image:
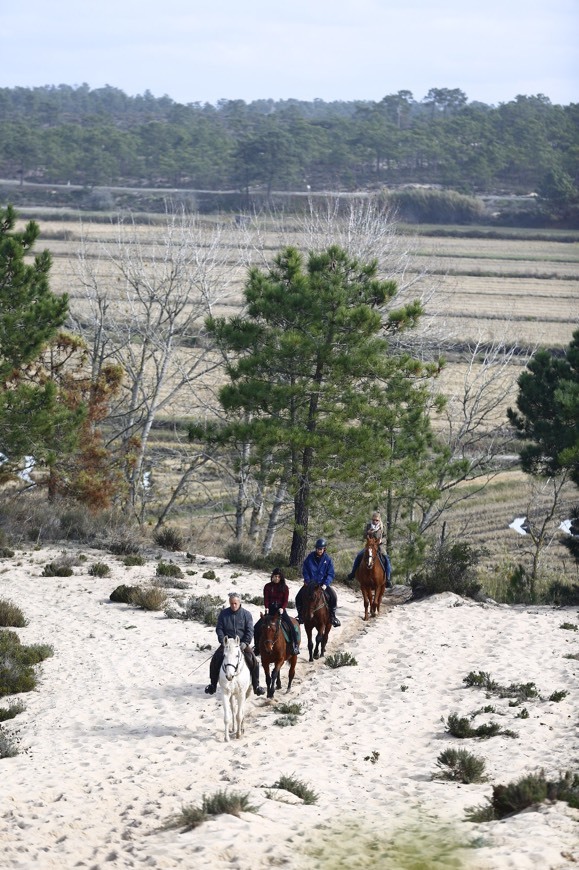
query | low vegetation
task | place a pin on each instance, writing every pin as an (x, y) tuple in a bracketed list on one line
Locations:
[(11, 615), (17, 663), (296, 787), (507, 800), (169, 538), (340, 660), (204, 608), (149, 598), (99, 569), (217, 804), (460, 726), (459, 765), (169, 569)]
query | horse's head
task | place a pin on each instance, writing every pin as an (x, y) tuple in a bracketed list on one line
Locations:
[(370, 551), (232, 656), (270, 631), (314, 599)]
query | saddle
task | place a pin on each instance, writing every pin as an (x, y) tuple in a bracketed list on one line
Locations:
[(286, 632)]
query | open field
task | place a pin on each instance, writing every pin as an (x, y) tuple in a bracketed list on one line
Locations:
[(524, 293)]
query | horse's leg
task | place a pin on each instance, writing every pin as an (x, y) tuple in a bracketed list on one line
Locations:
[(239, 699), (278, 667), (366, 602), (310, 643), (292, 663), (267, 677), (227, 712), (325, 636)]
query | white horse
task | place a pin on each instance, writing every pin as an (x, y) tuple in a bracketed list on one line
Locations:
[(235, 682)]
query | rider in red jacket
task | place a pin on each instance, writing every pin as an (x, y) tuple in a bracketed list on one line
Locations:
[(275, 598)]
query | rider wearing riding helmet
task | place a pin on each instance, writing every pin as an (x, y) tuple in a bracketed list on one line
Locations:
[(318, 569), (275, 598)]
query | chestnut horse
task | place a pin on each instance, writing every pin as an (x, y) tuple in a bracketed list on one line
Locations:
[(275, 650), (316, 614), (371, 577)]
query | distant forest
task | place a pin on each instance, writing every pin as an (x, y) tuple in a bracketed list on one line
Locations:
[(104, 138)]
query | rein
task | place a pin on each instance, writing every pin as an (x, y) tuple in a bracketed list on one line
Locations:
[(275, 636), (235, 667)]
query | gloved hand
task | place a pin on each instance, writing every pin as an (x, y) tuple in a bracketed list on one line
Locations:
[(281, 610), (324, 586), (242, 646)]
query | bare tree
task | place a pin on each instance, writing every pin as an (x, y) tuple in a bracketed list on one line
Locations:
[(145, 302)]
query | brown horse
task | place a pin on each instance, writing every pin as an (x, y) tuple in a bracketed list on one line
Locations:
[(371, 577), (316, 614), (275, 650)]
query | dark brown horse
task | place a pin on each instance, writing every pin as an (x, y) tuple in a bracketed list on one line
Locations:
[(275, 650), (316, 614), (371, 577)]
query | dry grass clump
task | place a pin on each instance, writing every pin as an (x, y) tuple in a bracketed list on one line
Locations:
[(459, 765), (517, 691), (11, 615), (221, 802), (17, 663), (205, 609), (507, 800), (6, 553), (62, 566), (149, 598), (169, 538), (8, 748)]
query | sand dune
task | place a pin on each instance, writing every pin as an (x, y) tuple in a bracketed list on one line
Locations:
[(119, 736)]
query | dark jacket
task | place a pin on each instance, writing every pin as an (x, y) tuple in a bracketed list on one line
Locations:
[(318, 569), (275, 595), (238, 623)]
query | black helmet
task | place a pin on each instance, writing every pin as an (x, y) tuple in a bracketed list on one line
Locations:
[(321, 544)]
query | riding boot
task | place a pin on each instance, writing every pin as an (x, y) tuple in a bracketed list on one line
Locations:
[(214, 667), (335, 621), (257, 689)]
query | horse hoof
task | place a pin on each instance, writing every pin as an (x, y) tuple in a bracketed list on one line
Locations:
[(316, 655)]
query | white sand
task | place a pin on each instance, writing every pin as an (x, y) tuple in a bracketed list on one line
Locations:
[(119, 735)]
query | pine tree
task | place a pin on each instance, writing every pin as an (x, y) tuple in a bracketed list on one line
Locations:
[(31, 409), (308, 373)]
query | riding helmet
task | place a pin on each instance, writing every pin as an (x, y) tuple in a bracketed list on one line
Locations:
[(321, 544)]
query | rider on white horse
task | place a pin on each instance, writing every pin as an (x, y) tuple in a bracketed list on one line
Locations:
[(234, 621)]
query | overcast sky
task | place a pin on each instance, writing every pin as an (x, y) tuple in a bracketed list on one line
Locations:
[(207, 50)]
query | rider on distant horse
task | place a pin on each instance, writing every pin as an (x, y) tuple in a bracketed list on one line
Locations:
[(275, 598), (234, 621), (374, 528), (318, 568)]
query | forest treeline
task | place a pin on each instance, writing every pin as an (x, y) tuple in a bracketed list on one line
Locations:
[(103, 137)]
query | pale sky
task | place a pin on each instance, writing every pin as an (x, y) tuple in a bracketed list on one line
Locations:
[(207, 50)]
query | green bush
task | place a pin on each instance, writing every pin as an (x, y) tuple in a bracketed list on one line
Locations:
[(57, 569), (449, 568), (133, 560), (284, 721), (341, 660), (461, 766), (432, 206), (459, 726), (99, 569), (209, 575), (297, 787), (123, 594), (169, 538), (11, 615), (6, 553), (518, 691), (507, 800), (168, 569), (11, 711), (222, 802), (562, 594), (16, 663)]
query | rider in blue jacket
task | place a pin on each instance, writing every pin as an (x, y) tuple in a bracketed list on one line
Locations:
[(318, 568)]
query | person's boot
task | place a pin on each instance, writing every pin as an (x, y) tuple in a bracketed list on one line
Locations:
[(210, 689), (300, 618), (257, 689), (350, 576), (335, 621)]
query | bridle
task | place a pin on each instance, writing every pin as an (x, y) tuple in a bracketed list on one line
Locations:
[(271, 642), (322, 603), (225, 665), (370, 553)]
